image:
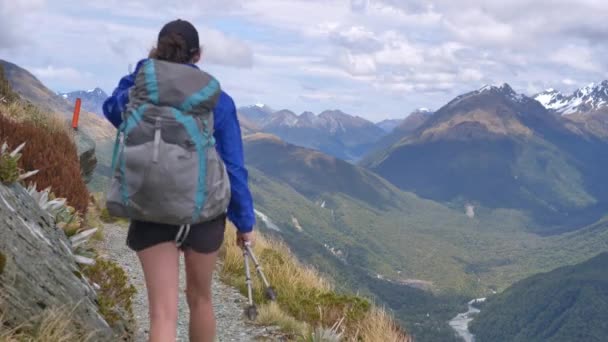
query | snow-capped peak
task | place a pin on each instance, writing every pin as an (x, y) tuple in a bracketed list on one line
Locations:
[(551, 99), (487, 87), (589, 98), (490, 87), (260, 105), (505, 90)]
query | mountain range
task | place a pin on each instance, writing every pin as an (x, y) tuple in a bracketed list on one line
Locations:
[(92, 100), (591, 98), (389, 124), (496, 141), (404, 128), (333, 132)]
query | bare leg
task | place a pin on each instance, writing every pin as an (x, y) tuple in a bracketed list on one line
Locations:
[(199, 270), (161, 270)]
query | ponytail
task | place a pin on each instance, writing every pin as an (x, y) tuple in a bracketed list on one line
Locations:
[(172, 48)]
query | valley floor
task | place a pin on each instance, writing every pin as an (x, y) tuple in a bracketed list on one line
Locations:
[(227, 301)]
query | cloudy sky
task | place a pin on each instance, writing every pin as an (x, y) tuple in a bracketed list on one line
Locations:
[(374, 58)]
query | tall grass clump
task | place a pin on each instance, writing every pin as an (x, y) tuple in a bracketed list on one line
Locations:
[(56, 325), (307, 304)]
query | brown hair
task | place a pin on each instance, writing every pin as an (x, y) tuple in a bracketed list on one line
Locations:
[(172, 48)]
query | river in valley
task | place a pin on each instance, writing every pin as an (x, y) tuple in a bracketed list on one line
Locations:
[(460, 323)]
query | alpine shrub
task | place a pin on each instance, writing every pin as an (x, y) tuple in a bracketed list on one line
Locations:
[(54, 154)]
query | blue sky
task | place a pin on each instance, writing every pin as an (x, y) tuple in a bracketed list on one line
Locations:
[(373, 58)]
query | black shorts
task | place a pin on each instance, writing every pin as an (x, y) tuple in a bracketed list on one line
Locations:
[(204, 237)]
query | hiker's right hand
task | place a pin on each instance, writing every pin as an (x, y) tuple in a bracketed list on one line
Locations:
[(242, 238)]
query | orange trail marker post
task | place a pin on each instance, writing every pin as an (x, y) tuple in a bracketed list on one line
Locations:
[(76, 114)]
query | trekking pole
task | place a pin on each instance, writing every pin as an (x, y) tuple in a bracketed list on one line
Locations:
[(251, 311), (270, 293)]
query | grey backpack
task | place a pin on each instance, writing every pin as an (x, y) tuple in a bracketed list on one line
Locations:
[(165, 166)]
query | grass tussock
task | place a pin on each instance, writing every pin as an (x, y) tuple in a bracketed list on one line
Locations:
[(378, 325), (306, 302), (115, 295), (52, 326), (271, 314), (53, 153), (23, 111)]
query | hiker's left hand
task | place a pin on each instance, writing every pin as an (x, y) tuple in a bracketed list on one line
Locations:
[(242, 238)]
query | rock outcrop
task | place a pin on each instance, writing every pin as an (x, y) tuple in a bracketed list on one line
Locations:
[(38, 270), (86, 153)]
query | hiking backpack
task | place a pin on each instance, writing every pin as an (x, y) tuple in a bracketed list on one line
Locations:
[(165, 165)]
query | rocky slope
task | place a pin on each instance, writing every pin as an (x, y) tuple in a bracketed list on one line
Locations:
[(38, 270)]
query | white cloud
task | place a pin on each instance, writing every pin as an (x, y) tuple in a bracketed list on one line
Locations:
[(400, 53), (360, 64), (356, 38), (221, 49), (312, 52), (359, 5), (12, 13), (327, 96), (161, 9), (470, 75), (578, 57), (474, 26), (76, 78)]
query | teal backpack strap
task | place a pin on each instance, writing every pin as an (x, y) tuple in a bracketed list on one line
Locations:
[(151, 80), (209, 137), (201, 96), (191, 127), (117, 145), (123, 131)]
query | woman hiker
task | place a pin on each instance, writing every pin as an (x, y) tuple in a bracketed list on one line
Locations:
[(155, 87)]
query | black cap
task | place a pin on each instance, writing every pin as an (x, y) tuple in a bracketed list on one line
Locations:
[(186, 30)]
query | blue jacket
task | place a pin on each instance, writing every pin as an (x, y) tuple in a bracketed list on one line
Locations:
[(228, 144)]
